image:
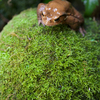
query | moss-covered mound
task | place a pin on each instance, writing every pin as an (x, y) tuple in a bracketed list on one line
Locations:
[(48, 63)]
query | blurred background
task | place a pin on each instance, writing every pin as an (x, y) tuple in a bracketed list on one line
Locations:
[(9, 8)]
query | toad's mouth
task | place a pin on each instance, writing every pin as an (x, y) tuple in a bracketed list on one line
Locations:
[(51, 22)]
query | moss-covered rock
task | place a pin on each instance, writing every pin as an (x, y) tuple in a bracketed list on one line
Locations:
[(48, 63)]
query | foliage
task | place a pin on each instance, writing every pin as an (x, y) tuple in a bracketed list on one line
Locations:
[(46, 1), (48, 63), (90, 5), (11, 7)]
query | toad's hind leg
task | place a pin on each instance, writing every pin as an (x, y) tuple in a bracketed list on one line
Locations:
[(82, 30)]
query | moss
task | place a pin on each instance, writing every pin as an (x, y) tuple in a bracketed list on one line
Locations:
[(48, 63)]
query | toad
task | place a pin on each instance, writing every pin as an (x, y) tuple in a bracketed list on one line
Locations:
[(60, 12)]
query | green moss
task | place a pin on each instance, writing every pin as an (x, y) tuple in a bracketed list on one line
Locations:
[(48, 63)]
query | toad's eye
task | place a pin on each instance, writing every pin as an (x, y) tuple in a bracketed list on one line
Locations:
[(42, 14), (57, 19)]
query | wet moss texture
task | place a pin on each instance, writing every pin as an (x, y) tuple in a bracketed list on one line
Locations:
[(48, 63)]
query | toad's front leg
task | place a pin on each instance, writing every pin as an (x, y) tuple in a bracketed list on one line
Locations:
[(40, 9)]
